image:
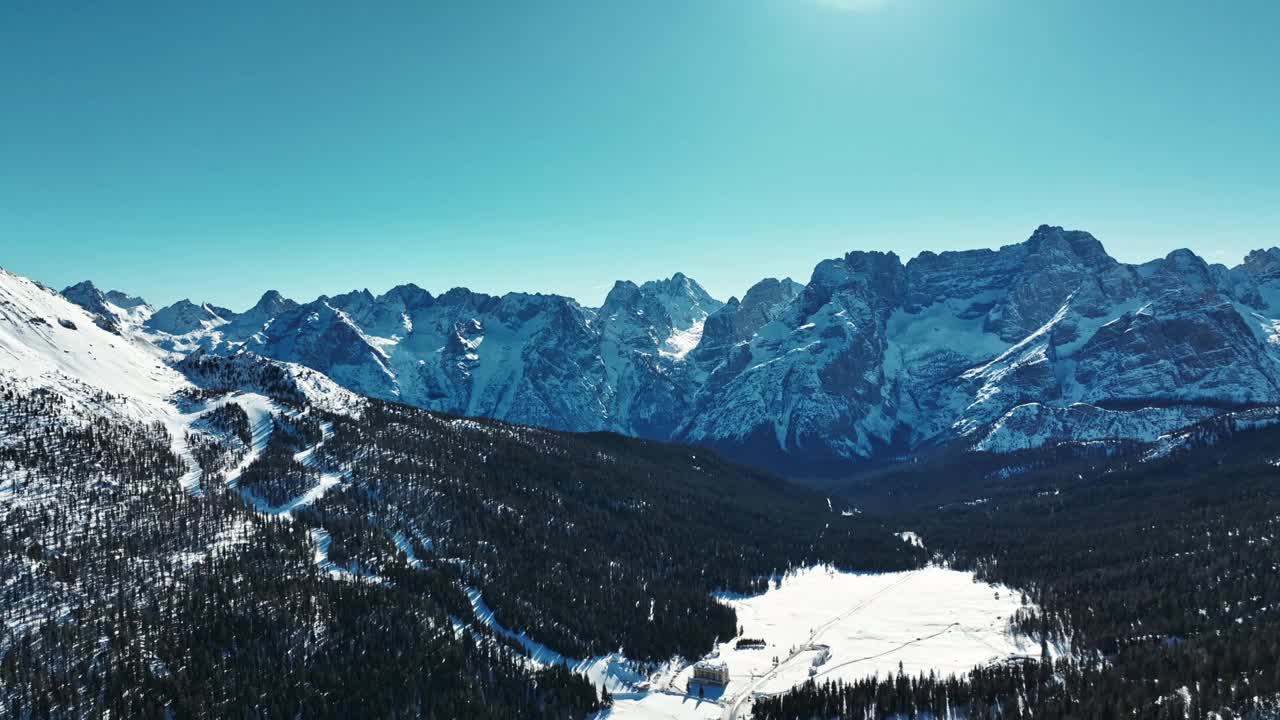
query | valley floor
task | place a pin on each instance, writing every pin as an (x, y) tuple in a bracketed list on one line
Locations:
[(932, 619)]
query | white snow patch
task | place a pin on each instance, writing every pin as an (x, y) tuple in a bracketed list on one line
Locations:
[(682, 341), (911, 538)]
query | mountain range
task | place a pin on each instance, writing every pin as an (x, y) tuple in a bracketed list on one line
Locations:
[(1046, 341)]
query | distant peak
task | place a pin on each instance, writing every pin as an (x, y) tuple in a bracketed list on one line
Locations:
[(467, 296), (87, 297), (1267, 256), (409, 294), (271, 298), (1263, 265), (125, 300), (681, 285), (81, 287), (1079, 243), (272, 302), (351, 299), (621, 292), (1184, 258), (457, 293)]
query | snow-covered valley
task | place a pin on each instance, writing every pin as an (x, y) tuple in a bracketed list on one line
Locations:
[(932, 620)]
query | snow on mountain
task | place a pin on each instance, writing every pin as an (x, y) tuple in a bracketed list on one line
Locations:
[(685, 307), (104, 370), (112, 310), (93, 367), (738, 321), (46, 341), (877, 356), (816, 370), (185, 317), (872, 357), (662, 315)]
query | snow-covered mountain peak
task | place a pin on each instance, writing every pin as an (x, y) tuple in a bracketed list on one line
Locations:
[(661, 316), (272, 303), (623, 293), (737, 322), (125, 301), (185, 317), (685, 301), (112, 310)]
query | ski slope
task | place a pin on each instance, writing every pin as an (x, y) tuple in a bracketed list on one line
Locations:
[(47, 341)]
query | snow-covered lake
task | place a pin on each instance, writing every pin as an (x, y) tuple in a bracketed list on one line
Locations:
[(929, 619)]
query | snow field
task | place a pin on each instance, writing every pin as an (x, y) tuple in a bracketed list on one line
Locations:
[(932, 619)]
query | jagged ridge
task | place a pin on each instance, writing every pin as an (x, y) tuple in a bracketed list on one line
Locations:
[(1043, 341)]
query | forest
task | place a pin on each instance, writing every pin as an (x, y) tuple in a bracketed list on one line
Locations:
[(1153, 579)]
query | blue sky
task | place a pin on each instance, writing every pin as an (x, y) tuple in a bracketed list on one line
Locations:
[(214, 150)]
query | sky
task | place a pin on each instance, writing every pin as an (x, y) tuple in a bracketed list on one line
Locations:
[(215, 150)]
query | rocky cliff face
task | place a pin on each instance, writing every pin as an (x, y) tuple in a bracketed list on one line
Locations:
[(113, 311), (1044, 341)]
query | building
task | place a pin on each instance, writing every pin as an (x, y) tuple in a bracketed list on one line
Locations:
[(709, 672), (824, 654)]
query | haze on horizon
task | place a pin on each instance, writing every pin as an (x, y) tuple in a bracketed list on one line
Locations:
[(216, 152)]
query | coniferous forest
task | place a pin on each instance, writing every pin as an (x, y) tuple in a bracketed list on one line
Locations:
[(1154, 581), (126, 595)]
